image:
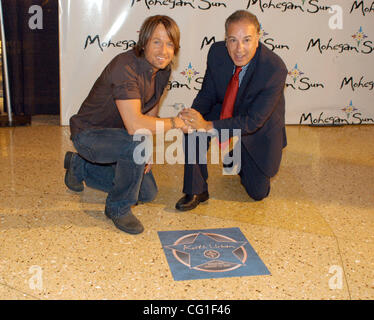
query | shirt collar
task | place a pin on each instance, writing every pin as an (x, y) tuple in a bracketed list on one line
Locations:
[(244, 68)]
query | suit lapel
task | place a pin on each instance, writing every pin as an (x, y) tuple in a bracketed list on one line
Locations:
[(227, 72), (246, 80)]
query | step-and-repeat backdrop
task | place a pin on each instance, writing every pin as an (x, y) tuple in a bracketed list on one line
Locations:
[(327, 45)]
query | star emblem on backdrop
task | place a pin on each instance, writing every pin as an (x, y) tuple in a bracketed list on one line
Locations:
[(295, 73), (189, 73), (349, 109), (359, 36), (263, 33)]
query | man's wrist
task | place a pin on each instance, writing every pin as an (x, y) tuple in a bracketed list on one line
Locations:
[(172, 123), (209, 125)]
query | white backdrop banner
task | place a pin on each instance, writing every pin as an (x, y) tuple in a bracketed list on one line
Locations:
[(327, 45)]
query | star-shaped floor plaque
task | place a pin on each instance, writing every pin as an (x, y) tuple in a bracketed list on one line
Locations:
[(212, 253)]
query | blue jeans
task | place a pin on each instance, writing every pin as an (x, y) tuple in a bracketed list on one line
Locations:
[(105, 162)]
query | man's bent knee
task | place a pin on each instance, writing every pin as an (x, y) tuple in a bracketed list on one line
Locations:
[(148, 196), (258, 194)]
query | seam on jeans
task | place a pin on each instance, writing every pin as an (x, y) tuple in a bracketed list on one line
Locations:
[(119, 203)]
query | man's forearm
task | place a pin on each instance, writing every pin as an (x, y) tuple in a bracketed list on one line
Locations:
[(154, 124)]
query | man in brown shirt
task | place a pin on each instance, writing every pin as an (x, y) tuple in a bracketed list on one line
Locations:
[(123, 100)]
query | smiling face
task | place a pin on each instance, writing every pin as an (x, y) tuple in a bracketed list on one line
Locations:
[(241, 42), (159, 50)]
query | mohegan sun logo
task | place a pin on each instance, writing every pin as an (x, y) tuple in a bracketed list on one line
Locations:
[(295, 73), (189, 73), (354, 85), (312, 6), (360, 5), (121, 44), (270, 42), (193, 81), (173, 4), (352, 116), (300, 81), (359, 36), (349, 109), (363, 44)]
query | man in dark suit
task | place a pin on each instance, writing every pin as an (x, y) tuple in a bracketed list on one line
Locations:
[(257, 108)]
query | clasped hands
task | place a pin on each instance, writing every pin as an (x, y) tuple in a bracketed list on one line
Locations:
[(192, 119), (187, 120)]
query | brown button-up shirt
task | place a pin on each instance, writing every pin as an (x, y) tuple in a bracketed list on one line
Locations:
[(125, 77)]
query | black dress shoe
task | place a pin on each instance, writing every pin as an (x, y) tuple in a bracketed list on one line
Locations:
[(191, 201), (71, 180)]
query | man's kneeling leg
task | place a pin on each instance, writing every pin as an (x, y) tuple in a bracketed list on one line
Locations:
[(255, 182)]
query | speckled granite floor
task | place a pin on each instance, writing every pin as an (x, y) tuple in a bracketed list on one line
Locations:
[(315, 232)]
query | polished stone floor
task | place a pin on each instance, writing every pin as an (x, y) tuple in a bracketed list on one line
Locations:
[(315, 232)]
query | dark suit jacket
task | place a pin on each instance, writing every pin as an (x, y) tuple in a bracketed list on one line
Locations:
[(259, 109)]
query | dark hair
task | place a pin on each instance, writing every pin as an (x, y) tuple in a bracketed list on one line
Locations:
[(242, 15), (149, 26)]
